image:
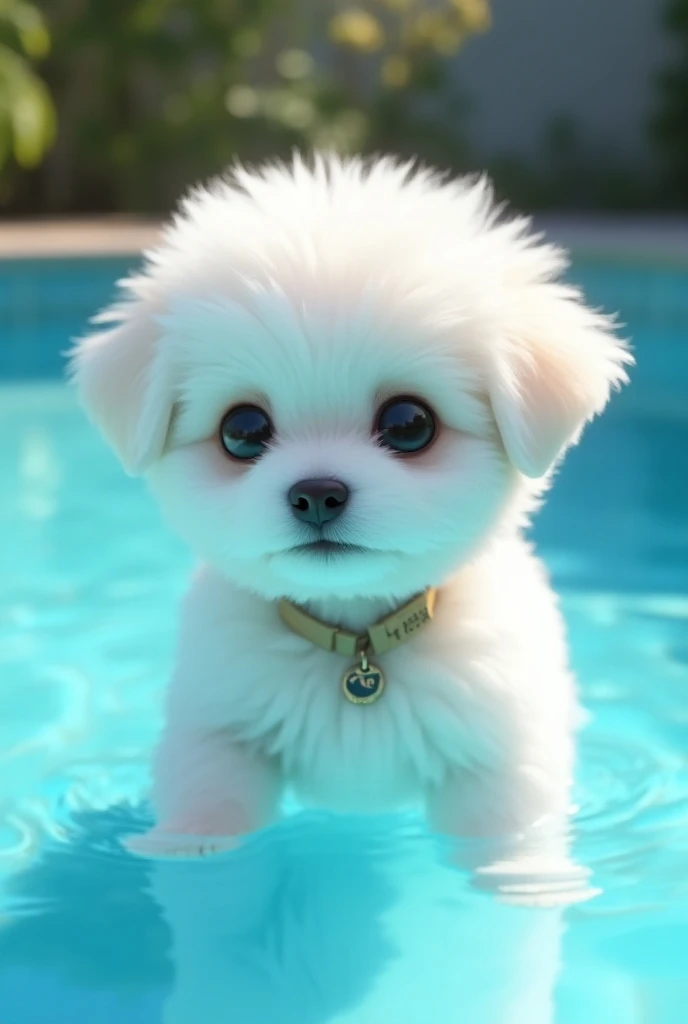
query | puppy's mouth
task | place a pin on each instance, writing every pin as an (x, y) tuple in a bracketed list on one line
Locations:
[(328, 548)]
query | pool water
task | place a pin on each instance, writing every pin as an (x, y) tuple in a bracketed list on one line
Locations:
[(323, 919)]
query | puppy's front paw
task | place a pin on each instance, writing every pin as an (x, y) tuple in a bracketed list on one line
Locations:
[(536, 882), (160, 843)]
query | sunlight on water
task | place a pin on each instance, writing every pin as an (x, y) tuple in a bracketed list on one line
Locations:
[(323, 919)]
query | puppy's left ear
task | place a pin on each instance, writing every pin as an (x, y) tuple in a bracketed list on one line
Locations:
[(123, 386), (553, 373)]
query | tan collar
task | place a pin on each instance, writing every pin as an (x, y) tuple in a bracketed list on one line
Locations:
[(391, 631)]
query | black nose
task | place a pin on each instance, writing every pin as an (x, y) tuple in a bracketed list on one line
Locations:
[(318, 501)]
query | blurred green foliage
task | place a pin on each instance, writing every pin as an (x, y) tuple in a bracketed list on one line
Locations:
[(670, 125), (151, 95), (574, 169), (27, 115)]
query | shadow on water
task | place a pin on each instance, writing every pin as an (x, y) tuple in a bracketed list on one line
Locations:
[(80, 926), (65, 899), (311, 922)]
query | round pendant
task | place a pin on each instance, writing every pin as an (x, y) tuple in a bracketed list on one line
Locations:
[(363, 685)]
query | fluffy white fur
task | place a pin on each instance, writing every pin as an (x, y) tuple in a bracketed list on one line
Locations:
[(318, 290)]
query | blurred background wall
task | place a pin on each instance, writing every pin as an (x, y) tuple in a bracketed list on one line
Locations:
[(592, 64), (116, 106)]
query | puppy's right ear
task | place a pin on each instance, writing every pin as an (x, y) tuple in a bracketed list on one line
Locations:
[(123, 386)]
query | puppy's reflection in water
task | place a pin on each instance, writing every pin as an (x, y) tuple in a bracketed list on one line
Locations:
[(287, 928), (318, 921), (324, 922)]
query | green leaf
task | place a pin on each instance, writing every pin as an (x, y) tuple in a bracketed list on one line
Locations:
[(28, 108), (29, 24), (5, 136)]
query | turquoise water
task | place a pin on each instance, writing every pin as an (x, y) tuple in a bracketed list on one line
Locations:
[(334, 920)]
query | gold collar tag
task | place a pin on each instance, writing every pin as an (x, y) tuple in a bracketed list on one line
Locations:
[(363, 683)]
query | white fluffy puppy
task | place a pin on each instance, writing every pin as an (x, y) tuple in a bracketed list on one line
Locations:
[(347, 383)]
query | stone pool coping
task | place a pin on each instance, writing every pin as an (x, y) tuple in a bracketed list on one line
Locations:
[(656, 239), (73, 238)]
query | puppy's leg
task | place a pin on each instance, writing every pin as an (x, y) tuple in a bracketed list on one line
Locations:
[(208, 790), (515, 829)]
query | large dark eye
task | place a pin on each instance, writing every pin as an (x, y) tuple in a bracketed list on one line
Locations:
[(245, 431), (405, 425)]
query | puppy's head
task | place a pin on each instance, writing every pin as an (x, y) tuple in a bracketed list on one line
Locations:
[(341, 378)]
